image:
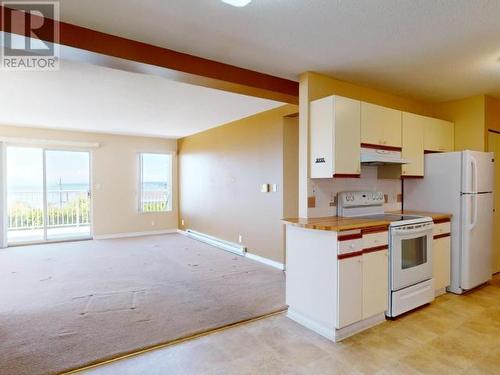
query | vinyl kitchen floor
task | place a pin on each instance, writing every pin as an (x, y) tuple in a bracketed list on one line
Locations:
[(454, 335)]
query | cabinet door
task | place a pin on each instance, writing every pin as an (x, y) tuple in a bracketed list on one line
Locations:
[(347, 138), (441, 260), (413, 144), (380, 125), (438, 135), (349, 302), (375, 283), (321, 138)]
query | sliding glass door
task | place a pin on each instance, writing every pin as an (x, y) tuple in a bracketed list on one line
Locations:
[(68, 194), (25, 202), (48, 195)]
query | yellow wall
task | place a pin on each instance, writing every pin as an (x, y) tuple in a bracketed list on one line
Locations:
[(221, 171), (492, 113), (320, 86), (470, 122), (115, 168), (290, 167)]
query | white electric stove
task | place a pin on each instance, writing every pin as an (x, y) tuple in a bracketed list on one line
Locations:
[(410, 247)]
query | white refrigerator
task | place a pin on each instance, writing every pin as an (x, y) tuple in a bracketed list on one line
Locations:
[(460, 183)]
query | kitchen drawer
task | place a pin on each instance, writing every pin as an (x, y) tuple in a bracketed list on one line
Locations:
[(442, 228), (350, 246), (375, 239)]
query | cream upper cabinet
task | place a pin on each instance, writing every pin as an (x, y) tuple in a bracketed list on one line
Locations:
[(380, 125), (335, 137), (375, 283), (413, 144), (438, 135)]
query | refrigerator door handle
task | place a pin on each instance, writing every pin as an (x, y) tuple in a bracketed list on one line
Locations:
[(474, 211), (473, 162)]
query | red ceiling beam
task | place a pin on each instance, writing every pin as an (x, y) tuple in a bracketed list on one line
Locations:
[(198, 70)]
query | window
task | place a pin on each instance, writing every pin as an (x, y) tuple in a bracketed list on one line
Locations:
[(155, 182)]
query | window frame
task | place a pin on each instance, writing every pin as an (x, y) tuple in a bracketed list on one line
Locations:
[(170, 204)]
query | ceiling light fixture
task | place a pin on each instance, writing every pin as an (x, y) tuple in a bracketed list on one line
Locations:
[(237, 3)]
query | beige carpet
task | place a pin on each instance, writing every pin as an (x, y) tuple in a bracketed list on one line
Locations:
[(63, 306)]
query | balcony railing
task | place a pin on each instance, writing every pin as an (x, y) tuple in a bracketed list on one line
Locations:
[(65, 208), (155, 200)]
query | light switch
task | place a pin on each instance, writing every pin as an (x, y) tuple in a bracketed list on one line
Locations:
[(274, 188), (264, 188)]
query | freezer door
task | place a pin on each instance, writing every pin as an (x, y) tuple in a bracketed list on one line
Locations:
[(476, 244), (477, 172)]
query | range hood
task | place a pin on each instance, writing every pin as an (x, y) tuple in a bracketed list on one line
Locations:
[(374, 156)]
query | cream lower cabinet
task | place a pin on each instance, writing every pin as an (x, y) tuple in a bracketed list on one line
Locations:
[(363, 287), (441, 251), (335, 137), (375, 283), (350, 295), (335, 279), (441, 260), (413, 144)]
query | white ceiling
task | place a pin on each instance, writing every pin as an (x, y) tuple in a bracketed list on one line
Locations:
[(94, 98), (436, 50)]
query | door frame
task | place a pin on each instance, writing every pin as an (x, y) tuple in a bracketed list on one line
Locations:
[(496, 193), (44, 204)]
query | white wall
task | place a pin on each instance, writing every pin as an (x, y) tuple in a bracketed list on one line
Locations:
[(325, 191), (115, 178)]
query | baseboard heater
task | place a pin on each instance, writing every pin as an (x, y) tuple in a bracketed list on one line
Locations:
[(217, 242)]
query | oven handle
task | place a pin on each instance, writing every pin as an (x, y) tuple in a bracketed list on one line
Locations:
[(411, 231)]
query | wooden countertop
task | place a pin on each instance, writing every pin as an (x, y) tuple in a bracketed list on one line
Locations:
[(338, 224)]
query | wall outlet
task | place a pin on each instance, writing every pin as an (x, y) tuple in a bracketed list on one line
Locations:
[(182, 222), (274, 188), (264, 188), (153, 223), (240, 238)]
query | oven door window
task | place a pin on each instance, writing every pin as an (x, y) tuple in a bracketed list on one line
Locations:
[(414, 252)]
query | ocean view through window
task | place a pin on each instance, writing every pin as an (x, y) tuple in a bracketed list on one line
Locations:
[(48, 194), (155, 182)]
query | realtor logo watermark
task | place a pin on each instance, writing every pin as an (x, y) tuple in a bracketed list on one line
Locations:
[(30, 24)]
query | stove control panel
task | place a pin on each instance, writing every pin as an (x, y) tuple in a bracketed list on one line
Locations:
[(360, 198)]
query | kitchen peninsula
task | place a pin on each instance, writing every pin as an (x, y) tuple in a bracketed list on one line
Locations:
[(338, 271)]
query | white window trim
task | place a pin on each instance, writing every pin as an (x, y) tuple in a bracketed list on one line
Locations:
[(171, 177)]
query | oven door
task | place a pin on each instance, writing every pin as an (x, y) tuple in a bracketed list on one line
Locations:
[(411, 255)]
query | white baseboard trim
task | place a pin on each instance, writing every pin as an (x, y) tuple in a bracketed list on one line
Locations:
[(217, 242), (134, 234), (311, 324), (357, 327), (333, 333), (255, 257), (439, 292), (267, 261)]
